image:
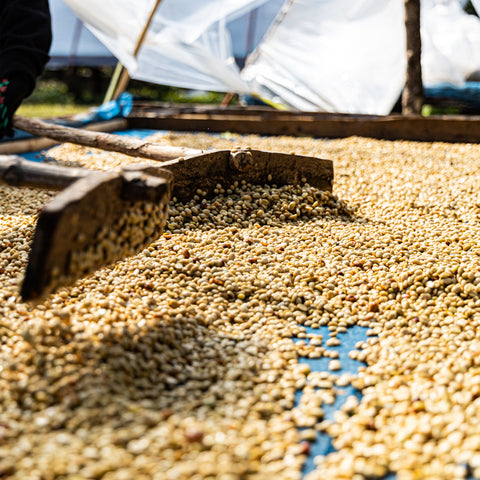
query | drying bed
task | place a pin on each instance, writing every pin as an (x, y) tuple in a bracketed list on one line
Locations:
[(218, 351)]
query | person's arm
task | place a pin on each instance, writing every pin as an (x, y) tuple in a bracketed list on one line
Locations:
[(25, 39)]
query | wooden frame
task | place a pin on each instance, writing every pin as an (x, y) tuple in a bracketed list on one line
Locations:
[(266, 121)]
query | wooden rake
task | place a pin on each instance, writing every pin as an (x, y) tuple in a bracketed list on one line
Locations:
[(87, 225)]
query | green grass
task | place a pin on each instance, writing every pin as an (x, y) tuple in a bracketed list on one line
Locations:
[(46, 110), (428, 110), (51, 98)]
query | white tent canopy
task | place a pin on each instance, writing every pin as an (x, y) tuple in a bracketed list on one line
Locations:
[(319, 55)]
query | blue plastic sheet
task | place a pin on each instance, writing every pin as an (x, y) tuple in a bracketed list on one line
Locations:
[(468, 93), (119, 108), (323, 443)]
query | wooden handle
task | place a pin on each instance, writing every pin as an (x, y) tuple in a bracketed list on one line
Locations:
[(104, 141), (17, 172)]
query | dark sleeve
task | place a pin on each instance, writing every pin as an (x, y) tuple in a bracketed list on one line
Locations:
[(25, 39)]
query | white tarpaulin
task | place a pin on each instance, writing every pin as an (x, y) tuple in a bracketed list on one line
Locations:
[(74, 44), (333, 55), (450, 42), (248, 30), (344, 56), (187, 44), (319, 55)]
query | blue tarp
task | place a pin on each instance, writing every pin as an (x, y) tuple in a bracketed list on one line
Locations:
[(467, 94), (323, 444)]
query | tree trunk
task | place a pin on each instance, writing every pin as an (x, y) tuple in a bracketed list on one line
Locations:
[(412, 97)]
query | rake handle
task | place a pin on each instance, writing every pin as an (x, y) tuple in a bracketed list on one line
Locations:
[(17, 172), (104, 141)]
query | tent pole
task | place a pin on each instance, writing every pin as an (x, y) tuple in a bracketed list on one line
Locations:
[(113, 82), (125, 77), (412, 96)]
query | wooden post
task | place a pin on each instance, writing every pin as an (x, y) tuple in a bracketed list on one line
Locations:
[(227, 99), (412, 97)]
